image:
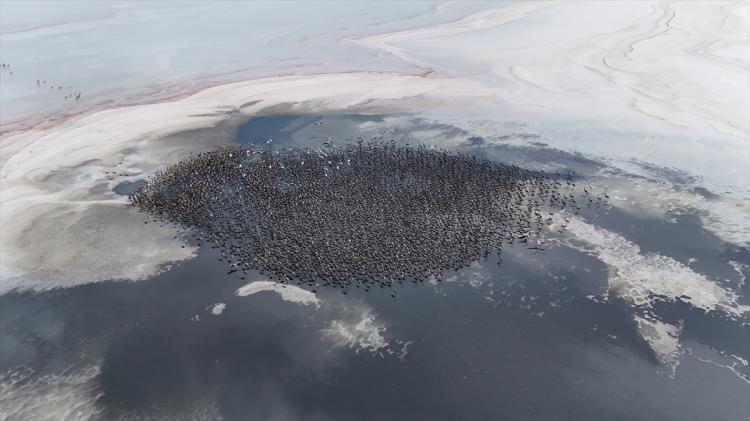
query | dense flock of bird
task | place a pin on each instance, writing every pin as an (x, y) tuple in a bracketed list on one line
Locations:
[(364, 215)]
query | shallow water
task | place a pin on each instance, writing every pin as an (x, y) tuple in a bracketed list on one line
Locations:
[(521, 340)]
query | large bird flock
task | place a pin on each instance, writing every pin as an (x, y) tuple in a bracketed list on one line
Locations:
[(371, 214)]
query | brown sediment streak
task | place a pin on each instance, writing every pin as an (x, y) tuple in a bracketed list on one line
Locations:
[(428, 73), (54, 119)]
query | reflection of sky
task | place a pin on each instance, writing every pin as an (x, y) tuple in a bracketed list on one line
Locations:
[(533, 339), (118, 49), (522, 340)]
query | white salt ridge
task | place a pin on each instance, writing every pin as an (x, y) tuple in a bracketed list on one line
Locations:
[(663, 338), (739, 366), (637, 276), (218, 308), (67, 396), (363, 332), (280, 38), (287, 292), (47, 238), (740, 268), (727, 215), (663, 65), (482, 20)]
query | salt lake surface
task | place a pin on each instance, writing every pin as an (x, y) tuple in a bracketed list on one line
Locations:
[(638, 310)]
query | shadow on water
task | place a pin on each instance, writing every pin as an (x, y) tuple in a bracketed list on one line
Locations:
[(127, 187)]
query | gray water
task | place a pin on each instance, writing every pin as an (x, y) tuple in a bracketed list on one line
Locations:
[(516, 341)]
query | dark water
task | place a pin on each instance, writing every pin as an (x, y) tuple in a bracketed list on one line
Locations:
[(523, 342), (127, 187)]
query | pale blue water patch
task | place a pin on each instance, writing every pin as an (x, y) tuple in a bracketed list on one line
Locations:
[(306, 130)]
